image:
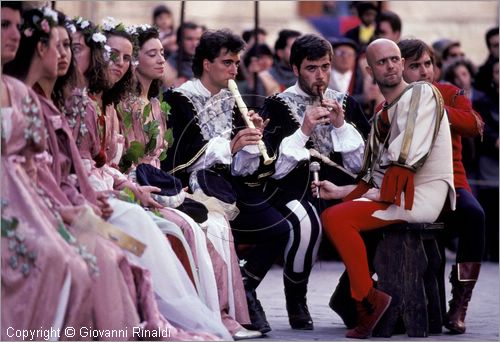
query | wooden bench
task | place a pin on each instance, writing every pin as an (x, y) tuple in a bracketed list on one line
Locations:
[(407, 261)]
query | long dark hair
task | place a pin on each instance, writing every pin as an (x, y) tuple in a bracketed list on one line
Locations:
[(121, 89), (70, 80), (96, 73), (33, 30), (143, 35)]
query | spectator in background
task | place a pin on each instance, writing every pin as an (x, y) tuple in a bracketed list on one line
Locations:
[(448, 50), (460, 73), (281, 75), (484, 77), (244, 74), (249, 36), (488, 168), (363, 33), (162, 18), (179, 63), (346, 77), (257, 59), (388, 26)]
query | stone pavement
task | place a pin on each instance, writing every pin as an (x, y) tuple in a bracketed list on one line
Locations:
[(482, 318)]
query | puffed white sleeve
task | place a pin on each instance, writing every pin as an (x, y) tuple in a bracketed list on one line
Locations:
[(246, 161), (292, 150), (218, 151), (350, 144)]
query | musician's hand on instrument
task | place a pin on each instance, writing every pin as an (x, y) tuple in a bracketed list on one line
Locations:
[(336, 113), (247, 136), (312, 117), (257, 120)]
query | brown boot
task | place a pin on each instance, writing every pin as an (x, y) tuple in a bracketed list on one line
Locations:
[(463, 278), (370, 311)]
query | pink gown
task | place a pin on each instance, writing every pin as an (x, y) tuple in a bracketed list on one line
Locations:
[(81, 116), (122, 296), (45, 282)]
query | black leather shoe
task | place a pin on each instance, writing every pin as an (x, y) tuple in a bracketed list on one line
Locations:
[(298, 314), (256, 312)]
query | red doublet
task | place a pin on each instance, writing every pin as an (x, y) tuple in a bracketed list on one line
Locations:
[(464, 122)]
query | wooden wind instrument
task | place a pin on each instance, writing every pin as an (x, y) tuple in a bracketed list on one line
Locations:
[(231, 84)]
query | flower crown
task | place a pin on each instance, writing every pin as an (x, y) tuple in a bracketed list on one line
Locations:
[(91, 32), (110, 24), (136, 30), (43, 23)]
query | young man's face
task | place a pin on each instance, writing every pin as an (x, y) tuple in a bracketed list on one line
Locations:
[(493, 45), (223, 68), (164, 22), (191, 39), (421, 69), (344, 58), (313, 74)]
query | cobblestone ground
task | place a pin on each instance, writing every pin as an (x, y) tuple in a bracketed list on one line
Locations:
[(482, 319)]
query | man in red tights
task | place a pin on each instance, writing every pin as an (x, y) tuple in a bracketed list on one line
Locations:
[(407, 176)]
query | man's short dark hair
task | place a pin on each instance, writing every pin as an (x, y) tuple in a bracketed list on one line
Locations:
[(449, 71), (283, 37), (188, 25), (364, 6), (257, 50), (490, 33), (159, 10), (211, 44), (414, 49), (311, 47), (392, 18), (15, 5), (247, 34)]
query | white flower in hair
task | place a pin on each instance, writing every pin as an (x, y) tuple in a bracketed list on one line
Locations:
[(132, 29), (144, 27), (107, 53), (109, 23), (79, 21), (98, 37), (71, 28), (48, 12), (84, 24)]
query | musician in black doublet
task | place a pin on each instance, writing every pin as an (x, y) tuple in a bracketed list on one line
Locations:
[(285, 110), (306, 127), (214, 152)]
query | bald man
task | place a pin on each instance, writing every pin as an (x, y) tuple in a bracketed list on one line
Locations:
[(407, 176)]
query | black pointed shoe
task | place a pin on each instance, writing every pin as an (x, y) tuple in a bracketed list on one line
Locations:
[(298, 314)]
